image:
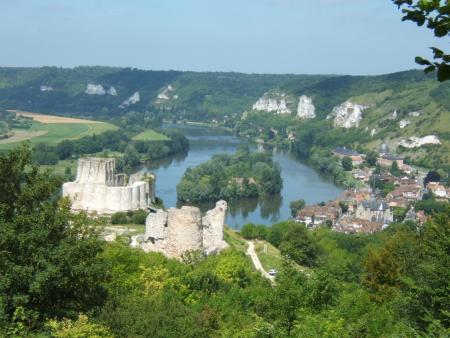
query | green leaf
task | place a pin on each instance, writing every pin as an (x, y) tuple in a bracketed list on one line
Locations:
[(437, 52), (443, 72), (441, 31), (421, 61), (429, 69)]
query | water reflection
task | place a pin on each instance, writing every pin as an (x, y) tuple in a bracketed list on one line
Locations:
[(299, 180)]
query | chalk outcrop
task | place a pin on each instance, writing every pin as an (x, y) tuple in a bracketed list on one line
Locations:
[(98, 188), (416, 142), (95, 89), (404, 123), (347, 114), (415, 113), (306, 109), (166, 93), (272, 102), (45, 88), (175, 231), (133, 99), (112, 91)]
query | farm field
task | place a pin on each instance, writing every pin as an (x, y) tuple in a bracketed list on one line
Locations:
[(150, 135), (51, 129)]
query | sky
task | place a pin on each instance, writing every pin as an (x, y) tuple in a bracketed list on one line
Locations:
[(250, 36)]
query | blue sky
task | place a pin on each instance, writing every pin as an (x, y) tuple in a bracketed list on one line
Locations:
[(252, 36)]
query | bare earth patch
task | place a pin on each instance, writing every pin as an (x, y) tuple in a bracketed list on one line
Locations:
[(51, 118), (23, 135)]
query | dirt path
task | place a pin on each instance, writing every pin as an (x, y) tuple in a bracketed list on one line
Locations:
[(23, 135), (43, 118), (257, 263)]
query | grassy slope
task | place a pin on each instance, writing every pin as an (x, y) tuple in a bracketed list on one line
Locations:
[(55, 133), (150, 135)]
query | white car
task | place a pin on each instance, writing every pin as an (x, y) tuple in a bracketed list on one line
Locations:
[(273, 272)]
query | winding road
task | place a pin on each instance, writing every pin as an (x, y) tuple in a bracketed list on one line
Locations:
[(257, 263)]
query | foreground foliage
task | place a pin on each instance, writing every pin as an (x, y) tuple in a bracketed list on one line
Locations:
[(49, 257), (53, 280)]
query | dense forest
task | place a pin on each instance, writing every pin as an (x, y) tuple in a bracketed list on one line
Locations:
[(241, 175), (60, 280)]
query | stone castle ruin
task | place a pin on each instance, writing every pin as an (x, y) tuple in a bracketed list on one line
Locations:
[(176, 231), (98, 188)]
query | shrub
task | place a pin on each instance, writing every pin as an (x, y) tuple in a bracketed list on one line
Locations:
[(139, 217), (119, 218)]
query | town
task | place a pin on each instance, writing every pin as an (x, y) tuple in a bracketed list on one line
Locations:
[(386, 193)]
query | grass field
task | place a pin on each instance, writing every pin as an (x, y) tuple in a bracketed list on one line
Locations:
[(268, 255), (150, 135), (60, 168), (234, 239), (52, 129)]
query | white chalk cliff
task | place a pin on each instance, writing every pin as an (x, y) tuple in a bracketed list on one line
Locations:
[(95, 89), (45, 88), (175, 231), (306, 109), (166, 93), (404, 123), (133, 99), (98, 188), (112, 91), (347, 114), (415, 142), (272, 102)]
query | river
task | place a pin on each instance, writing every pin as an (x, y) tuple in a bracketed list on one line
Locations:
[(299, 180)]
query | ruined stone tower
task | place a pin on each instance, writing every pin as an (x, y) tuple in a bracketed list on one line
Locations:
[(98, 188), (176, 231)]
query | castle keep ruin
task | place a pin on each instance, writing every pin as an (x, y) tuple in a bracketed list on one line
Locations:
[(176, 231), (98, 188)]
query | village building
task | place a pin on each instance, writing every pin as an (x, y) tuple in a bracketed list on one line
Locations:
[(361, 175), (352, 225), (386, 160), (315, 215), (411, 192), (356, 157), (373, 210)]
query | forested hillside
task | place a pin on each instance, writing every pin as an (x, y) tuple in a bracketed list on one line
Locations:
[(394, 107)]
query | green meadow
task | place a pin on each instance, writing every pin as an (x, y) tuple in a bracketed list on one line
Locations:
[(150, 135)]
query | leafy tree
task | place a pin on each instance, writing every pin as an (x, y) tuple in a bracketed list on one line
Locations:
[(347, 163), (81, 328), (371, 158), (395, 170), (436, 15), (432, 176), (49, 263), (296, 206), (344, 206), (298, 245), (248, 231)]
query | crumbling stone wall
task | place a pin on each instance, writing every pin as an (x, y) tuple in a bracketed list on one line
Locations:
[(176, 231), (98, 188)]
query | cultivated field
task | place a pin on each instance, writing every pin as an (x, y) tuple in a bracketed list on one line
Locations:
[(51, 129)]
